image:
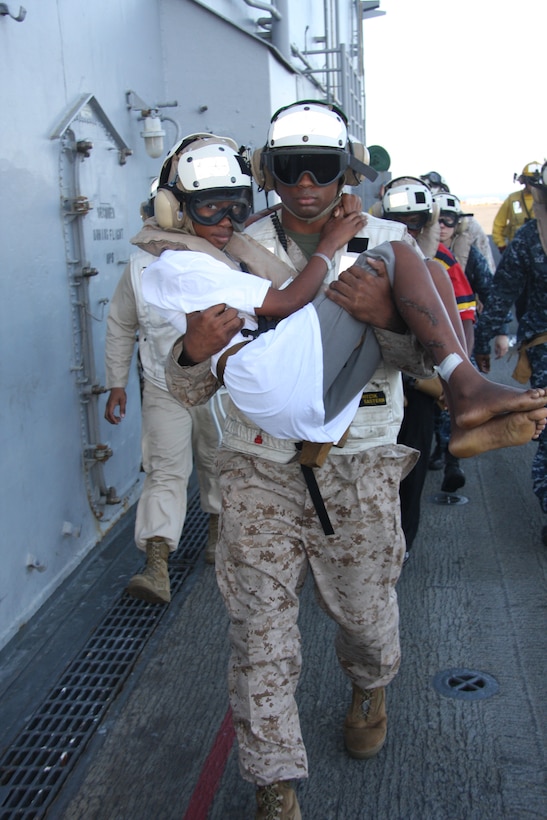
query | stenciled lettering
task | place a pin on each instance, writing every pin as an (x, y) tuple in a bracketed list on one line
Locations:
[(107, 234)]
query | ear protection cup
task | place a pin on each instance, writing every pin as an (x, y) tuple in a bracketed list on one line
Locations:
[(462, 226), (361, 153), (428, 239), (377, 210), (435, 213), (168, 210), (261, 175)]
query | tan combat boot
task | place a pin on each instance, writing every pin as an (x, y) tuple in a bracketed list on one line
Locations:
[(277, 801), (366, 723), (152, 585), (211, 548)]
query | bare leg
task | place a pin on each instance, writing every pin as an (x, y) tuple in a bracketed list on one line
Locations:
[(472, 399)]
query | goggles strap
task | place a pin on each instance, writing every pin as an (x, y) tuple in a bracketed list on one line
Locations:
[(361, 168)]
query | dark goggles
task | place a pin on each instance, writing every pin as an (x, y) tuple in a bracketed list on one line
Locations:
[(433, 177), (209, 209), (324, 167), (434, 180), (448, 220), (413, 221)]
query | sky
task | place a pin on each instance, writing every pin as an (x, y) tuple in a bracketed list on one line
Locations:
[(458, 87)]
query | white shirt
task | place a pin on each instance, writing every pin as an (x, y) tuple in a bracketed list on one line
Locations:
[(277, 380)]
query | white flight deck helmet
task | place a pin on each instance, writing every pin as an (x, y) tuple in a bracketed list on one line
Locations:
[(452, 216), (448, 203), (410, 197), (199, 170), (310, 137), (450, 211), (407, 195)]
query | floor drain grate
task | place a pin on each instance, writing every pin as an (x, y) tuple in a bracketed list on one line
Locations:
[(465, 684), (35, 766), (447, 499)]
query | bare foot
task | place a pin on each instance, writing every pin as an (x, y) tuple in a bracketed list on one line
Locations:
[(509, 430), (473, 402)]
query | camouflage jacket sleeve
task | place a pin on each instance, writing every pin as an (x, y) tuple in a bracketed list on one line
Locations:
[(479, 274), (404, 352), (482, 281), (480, 241), (190, 386)]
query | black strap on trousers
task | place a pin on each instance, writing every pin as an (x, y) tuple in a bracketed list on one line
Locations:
[(317, 498)]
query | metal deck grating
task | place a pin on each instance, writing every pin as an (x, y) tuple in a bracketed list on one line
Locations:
[(39, 760)]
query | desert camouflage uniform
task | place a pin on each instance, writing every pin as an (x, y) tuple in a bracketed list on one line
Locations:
[(480, 241), (270, 534), (522, 270), (264, 551)]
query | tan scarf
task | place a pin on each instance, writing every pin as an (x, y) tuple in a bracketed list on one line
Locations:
[(241, 248)]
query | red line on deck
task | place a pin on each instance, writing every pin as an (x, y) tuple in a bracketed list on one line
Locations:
[(212, 771)]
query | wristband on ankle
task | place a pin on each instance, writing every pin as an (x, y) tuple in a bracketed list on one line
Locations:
[(448, 365), (329, 262)]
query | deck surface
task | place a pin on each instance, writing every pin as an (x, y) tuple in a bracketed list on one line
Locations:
[(472, 597)]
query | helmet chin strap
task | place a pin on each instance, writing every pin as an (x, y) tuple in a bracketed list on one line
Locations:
[(323, 213)]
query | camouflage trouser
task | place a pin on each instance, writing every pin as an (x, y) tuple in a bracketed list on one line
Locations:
[(537, 357), (269, 534)]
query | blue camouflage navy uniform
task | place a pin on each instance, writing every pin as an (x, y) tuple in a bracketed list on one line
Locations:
[(479, 274), (522, 270), (481, 280)]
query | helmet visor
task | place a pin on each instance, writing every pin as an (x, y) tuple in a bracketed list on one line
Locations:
[(324, 167), (209, 209)]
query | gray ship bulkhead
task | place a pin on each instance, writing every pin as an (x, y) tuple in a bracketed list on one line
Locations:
[(88, 84)]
